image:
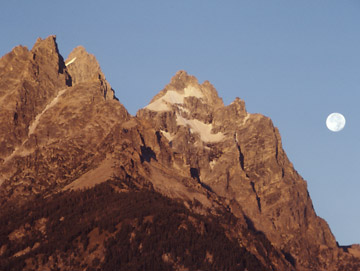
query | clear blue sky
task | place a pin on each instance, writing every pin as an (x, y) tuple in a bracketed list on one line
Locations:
[(294, 61)]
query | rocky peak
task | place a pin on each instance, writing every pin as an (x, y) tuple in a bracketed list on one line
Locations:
[(182, 79), (48, 43), (225, 117), (185, 109), (185, 91), (239, 156), (46, 54), (29, 81), (84, 68), (41, 107), (57, 136)]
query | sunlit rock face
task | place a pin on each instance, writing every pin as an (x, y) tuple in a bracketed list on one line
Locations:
[(84, 68), (74, 162), (50, 126), (29, 80), (239, 156)]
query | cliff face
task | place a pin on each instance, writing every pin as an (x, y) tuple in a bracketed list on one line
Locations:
[(50, 127), (239, 156), (24, 73), (219, 170)]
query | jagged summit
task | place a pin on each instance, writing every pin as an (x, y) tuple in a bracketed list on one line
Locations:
[(40, 103), (186, 184), (239, 156), (48, 44), (29, 81), (193, 108), (83, 67), (45, 51), (181, 88)]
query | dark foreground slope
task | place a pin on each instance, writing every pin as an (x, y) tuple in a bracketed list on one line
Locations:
[(111, 227), (187, 184)]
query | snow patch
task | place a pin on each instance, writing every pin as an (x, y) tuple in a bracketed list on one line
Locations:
[(48, 106), (212, 164), (11, 156), (183, 109), (173, 97), (161, 104), (20, 149), (203, 129), (192, 92), (167, 135), (246, 118), (71, 61)]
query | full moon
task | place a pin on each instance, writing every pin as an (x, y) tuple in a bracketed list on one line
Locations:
[(335, 122)]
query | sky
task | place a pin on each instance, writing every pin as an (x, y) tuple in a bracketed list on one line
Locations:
[(293, 61)]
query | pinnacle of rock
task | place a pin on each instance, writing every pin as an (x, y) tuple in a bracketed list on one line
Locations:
[(46, 52), (48, 43), (184, 87), (83, 67)]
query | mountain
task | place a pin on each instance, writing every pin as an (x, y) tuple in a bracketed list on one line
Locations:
[(186, 184)]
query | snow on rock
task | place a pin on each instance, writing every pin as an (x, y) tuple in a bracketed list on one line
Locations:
[(203, 129), (173, 97), (71, 61), (212, 164), (193, 92), (167, 135), (246, 118), (34, 124)]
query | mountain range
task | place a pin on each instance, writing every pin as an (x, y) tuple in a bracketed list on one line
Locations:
[(187, 184)]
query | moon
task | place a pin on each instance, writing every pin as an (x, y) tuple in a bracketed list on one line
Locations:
[(335, 122)]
